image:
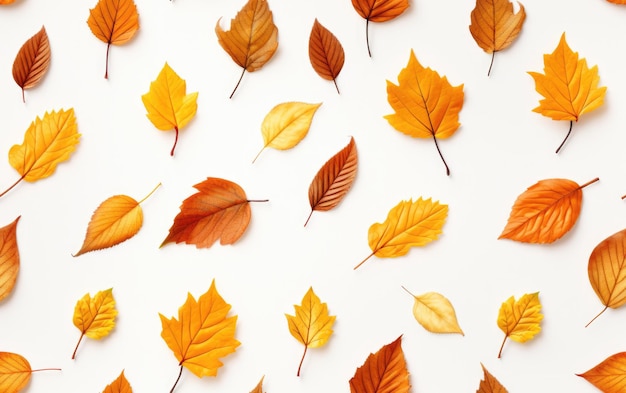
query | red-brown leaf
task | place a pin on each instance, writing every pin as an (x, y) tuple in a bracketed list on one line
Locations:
[(383, 372), (32, 61), (326, 53)]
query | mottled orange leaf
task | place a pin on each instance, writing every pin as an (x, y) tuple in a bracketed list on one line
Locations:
[(569, 87), (95, 316), (259, 387), (202, 334), (378, 11), (609, 375), (520, 320), (489, 383), (383, 372), (545, 212), (15, 372), (425, 104), (494, 25), (334, 179), (252, 38), (113, 22), (32, 61), (120, 385), (325, 53), (435, 313), (9, 258)]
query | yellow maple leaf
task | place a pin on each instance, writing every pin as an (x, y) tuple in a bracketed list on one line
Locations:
[(569, 86), (202, 334), (425, 104), (312, 325), (435, 313), (120, 385), (168, 104), (520, 320), (95, 317)]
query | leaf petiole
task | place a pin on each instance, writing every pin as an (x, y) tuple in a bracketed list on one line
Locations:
[(150, 194), (571, 123), (502, 346), (13, 185), (175, 141), (493, 56), (596, 317), (77, 344), (363, 261), (441, 155), (302, 360), (177, 379), (367, 36), (238, 82)]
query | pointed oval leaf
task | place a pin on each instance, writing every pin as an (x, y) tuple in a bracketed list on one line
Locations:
[(325, 53), (32, 61), (520, 319), (9, 258), (120, 385), (383, 372), (609, 375), (15, 372), (435, 313), (259, 387), (489, 383), (95, 316)]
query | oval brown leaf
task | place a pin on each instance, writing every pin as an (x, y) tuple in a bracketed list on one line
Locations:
[(9, 258), (326, 53), (383, 372), (610, 375), (333, 180), (32, 61), (378, 11)]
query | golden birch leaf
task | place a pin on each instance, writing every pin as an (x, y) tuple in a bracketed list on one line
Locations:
[(520, 320), (435, 313), (9, 258), (325, 53), (610, 375), (113, 22), (32, 61), (489, 383), (259, 387), (312, 325), (408, 224), (568, 85), (252, 38), (95, 316), (202, 334), (15, 372), (286, 125), (545, 212), (120, 385), (383, 372), (168, 104), (378, 11)]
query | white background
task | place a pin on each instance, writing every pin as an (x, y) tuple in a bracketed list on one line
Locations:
[(501, 148)]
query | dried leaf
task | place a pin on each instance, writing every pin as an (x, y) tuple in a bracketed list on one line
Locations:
[(95, 317), (9, 258), (286, 125), (383, 372), (408, 224), (490, 384), (378, 11), (545, 212), (333, 181), (569, 87), (113, 22), (312, 325), (120, 385), (425, 104), (495, 26), (202, 334), (610, 375), (520, 320), (168, 104), (252, 38), (435, 313), (32, 61), (326, 53), (47, 142), (259, 387)]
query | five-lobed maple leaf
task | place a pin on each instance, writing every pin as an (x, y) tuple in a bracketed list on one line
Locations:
[(168, 104), (94, 316), (15, 372), (312, 325), (569, 86), (383, 372), (435, 313), (520, 319), (425, 104), (113, 22), (378, 11), (489, 383), (120, 385), (251, 40), (545, 212), (9, 258), (609, 375), (32, 61), (408, 224), (202, 334), (325, 53)]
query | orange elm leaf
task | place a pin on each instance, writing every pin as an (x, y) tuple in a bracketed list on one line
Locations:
[(325, 53), (120, 385), (9, 258), (383, 372), (378, 11), (15, 372), (95, 316), (489, 383), (32, 61), (609, 375)]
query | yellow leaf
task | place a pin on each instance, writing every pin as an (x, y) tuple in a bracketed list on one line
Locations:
[(569, 87), (520, 320), (311, 325), (9, 258), (202, 334), (425, 104), (95, 317), (259, 387), (286, 125), (490, 384), (120, 385), (610, 375), (435, 313), (408, 224), (168, 104)]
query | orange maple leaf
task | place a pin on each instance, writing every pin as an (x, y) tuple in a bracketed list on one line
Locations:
[(383, 372)]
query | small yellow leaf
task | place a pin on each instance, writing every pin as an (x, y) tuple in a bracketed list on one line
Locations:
[(435, 313), (9, 258), (95, 317), (120, 385), (520, 320), (609, 375), (311, 325)]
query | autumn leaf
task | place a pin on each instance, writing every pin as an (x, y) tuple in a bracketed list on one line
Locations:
[(202, 334), (569, 87), (95, 316), (545, 212), (312, 325), (259, 387), (435, 313), (334, 179), (113, 22), (489, 383), (617, 1), (168, 104), (15, 372), (383, 372), (252, 38), (610, 375), (47, 142), (32, 61), (286, 125), (6, 2), (378, 11), (408, 224), (9, 258), (520, 320), (326, 53), (425, 104), (120, 385)]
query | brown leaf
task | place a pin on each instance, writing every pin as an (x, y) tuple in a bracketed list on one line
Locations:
[(9, 258), (378, 11), (490, 384), (326, 53), (259, 387), (383, 372), (32, 61)]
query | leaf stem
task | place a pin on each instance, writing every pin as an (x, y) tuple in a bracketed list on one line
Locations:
[(257, 200), (151, 192), (177, 379), (175, 141), (23, 98), (409, 292), (441, 155), (258, 154), (367, 36), (77, 344), (308, 218), (571, 123), (502, 346), (238, 82), (302, 360), (45, 369), (13, 185), (588, 183), (594, 318), (363, 261), (336, 87), (493, 55), (106, 67)]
